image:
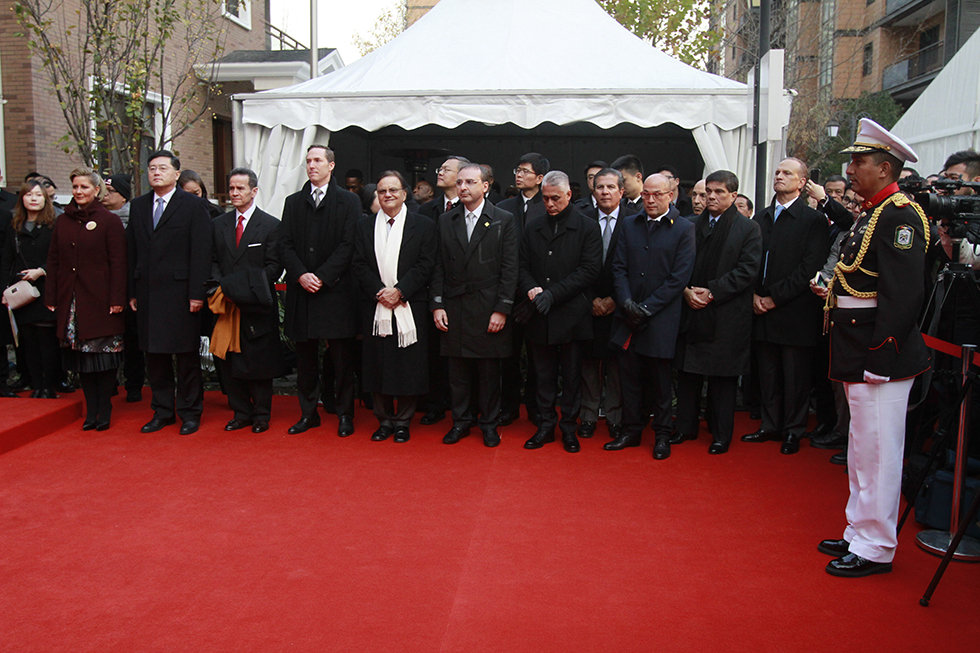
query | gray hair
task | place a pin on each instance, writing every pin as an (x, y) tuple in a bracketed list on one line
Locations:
[(558, 179), (484, 175)]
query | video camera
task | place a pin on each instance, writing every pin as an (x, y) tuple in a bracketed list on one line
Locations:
[(961, 212)]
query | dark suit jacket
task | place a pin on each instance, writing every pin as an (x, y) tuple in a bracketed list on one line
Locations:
[(319, 239), (261, 355), (797, 247), (475, 279), (168, 267), (566, 262), (603, 287), (515, 206), (435, 207), (653, 270), (726, 353), (388, 368)]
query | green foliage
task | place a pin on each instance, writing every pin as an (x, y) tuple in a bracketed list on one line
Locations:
[(678, 27)]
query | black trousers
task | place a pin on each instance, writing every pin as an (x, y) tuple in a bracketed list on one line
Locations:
[(40, 347), (461, 379), (721, 405), (249, 399), (549, 362), (182, 397), (636, 374), (390, 416), (341, 353), (784, 382), (513, 380), (134, 365), (823, 390)]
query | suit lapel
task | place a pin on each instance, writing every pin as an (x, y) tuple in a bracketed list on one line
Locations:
[(459, 226), (248, 236), (481, 227), (172, 205)]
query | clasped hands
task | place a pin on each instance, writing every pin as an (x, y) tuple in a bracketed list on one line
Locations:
[(389, 297), (697, 297), (543, 299), (636, 314), (762, 305)]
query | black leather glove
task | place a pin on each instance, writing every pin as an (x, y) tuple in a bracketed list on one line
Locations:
[(636, 314), (544, 301), (523, 312)]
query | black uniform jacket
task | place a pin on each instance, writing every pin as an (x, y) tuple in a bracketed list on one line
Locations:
[(516, 207), (796, 246), (168, 267), (237, 269), (567, 262), (319, 239), (652, 269), (884, 340), (603, 287), (472, 280), (386, 367), (726, 353)]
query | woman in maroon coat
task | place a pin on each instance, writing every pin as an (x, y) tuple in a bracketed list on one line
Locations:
[(87, 286)]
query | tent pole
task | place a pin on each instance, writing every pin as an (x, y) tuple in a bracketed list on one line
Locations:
[(761, 178), (314, 50)]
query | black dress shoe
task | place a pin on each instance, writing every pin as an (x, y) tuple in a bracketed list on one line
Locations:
[(43, 394), (7, 392), (260, 427), (236, 424), (678, 438), (791, 445), (836, 548), (382, 434), (455, 434), (102, 426), (570, 443), (661, 450), (345, 426), (64, 387), (432, 417), (615, 430), (157, 423), (621, 442), (190, 426), (88, 425), (819, 432), (508, 418), (304, 424), (586, 429), (830, 440), (134, 396), (761, 436), (491, 438), (839, 458), (539, 439), (718, 448), (854, 566), (402, 434)]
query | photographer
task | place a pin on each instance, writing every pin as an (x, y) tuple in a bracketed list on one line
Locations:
[(876, 348)]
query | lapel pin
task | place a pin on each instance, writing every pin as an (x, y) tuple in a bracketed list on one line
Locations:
[(486, 224), (90, 225)]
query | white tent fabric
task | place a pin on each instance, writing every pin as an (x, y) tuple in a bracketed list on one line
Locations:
[(523, 62), (946, 117)]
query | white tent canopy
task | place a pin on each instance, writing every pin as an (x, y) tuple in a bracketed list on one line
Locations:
[(497, 62), (946, 117)]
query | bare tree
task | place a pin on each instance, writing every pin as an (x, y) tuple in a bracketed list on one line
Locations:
[(389, 24)]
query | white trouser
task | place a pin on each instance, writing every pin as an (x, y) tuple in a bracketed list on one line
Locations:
[(874, 466)]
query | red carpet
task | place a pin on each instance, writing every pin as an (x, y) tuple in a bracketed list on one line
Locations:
[(119, 541), (24, 420)]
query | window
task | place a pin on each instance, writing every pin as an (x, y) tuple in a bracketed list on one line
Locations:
[(238, 11), (869, 57)]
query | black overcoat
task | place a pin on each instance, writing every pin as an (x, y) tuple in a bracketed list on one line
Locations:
[(168, 267), (652, 269), (797, 246), (566, 262), (727, 352), (34, 246), (6, 337), (320, 239), (261, 356), (472, 280), (386, 367), (603, 287)]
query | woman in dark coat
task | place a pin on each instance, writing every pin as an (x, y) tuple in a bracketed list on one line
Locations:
[(392, 269), (87, 284), (25, 257)]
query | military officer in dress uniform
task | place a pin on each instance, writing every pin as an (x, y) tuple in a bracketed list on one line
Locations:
[(876, 349)]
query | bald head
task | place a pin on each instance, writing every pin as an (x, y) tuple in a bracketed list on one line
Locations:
[(656, 195)]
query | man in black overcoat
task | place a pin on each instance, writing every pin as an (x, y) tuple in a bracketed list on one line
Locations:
[(601, 365), (317, 243), (169, 241), (394, 366), (788, 317), (716, 318), (247, 240), (472, 293), (561, 256), (651, 267)]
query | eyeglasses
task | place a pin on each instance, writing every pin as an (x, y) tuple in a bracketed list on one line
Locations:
[(656, 193), (443, 169), (523, 171), (389, 191)]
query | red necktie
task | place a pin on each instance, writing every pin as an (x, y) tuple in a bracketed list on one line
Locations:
[(391, 222), (239, 230), (449, 205)]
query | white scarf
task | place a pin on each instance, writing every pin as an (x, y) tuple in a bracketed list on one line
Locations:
[(387, 245)]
